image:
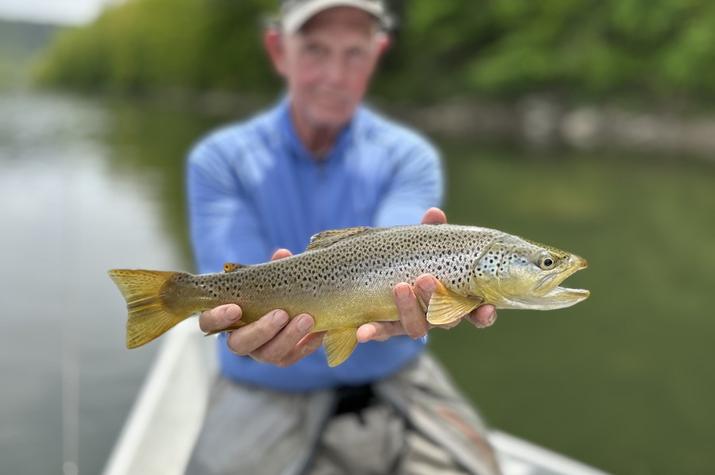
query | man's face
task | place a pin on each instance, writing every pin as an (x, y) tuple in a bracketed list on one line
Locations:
[(328, 65)]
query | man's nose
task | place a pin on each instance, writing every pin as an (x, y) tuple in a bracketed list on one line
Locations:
[(335, 71)]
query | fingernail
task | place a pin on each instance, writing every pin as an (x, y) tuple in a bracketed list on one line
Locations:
[(230, 315), (428, 285), (490, 321), (402, 292), (280, 317), (492, 318), (366, 333), (305, 323)]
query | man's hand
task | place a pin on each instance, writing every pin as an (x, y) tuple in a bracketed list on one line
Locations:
[(413, 321), (274, 338)]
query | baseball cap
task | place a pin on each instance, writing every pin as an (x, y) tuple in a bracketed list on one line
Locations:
[(294, 13)]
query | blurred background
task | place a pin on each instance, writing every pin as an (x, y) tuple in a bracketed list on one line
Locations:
[(589, 125)]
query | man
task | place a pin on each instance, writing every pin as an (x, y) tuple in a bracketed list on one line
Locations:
[(320, 160)]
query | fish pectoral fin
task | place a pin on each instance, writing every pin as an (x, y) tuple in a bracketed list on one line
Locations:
[(232, 266), (328, 238), (339, 345), (446, 306)]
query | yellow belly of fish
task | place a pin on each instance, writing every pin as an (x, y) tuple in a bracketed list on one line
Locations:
[(330, 312), (339, 314)]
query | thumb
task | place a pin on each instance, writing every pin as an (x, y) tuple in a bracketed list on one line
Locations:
[(281, 254), (434, 216)]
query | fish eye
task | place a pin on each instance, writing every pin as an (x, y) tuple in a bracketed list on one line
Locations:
[(546, 262)]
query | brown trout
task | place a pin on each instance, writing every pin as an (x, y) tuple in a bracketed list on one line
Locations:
[(345, 279)]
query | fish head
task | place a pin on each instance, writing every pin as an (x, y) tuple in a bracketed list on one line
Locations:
[(516, 273)]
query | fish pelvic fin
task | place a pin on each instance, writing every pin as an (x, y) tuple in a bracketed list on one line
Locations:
[(339, 345), (146, 293), (446, 307)]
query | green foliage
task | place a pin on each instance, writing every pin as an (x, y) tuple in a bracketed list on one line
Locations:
[(503, 48), (148, 44), (19, 43)]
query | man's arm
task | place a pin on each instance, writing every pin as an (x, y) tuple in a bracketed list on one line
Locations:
[(220, 214), (416, 185)]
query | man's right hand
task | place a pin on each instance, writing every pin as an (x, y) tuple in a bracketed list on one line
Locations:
[(274, 338)]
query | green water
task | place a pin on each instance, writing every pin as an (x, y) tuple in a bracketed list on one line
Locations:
[(622, 381)]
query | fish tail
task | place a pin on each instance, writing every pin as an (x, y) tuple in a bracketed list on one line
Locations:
[(147, 293)]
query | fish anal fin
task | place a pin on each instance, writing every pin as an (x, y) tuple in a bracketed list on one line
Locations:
[(446, 307), (232, 266), (339, 345), (331, 236)]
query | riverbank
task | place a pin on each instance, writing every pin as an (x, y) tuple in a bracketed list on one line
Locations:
[(535, 121), (538, 121)]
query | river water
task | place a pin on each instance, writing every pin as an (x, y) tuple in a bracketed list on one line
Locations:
[(622, 381), (67, 215)]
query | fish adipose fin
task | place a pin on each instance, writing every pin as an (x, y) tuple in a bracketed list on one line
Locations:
[(446, 307), (328, 238), (145, 292), (339, 345)]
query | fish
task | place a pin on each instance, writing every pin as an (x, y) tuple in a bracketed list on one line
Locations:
[(345, 277)]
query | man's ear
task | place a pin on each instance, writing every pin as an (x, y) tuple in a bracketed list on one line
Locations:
[(384, 41), (273, 43)]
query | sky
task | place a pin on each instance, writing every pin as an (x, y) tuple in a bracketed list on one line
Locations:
[(66, 12)]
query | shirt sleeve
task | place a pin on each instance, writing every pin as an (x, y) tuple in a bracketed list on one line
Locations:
[(224, 226), (416, 185)]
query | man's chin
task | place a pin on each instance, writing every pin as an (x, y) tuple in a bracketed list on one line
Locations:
[(332, 118)]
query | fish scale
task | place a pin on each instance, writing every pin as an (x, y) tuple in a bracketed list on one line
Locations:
[(345, 278)]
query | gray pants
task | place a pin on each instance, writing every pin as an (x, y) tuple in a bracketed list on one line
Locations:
[(419, 424)]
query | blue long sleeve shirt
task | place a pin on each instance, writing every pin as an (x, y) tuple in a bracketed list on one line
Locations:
[(253, 187)]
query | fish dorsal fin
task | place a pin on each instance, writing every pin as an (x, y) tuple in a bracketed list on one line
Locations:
[(232, 267), (446, 306), (331, 236), (339, 345)]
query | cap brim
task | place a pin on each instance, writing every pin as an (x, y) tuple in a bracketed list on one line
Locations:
[(293, 21)]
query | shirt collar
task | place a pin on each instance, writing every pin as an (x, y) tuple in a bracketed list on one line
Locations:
[(296, 146)]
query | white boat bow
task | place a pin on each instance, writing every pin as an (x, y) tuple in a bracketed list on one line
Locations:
[(161, 429)]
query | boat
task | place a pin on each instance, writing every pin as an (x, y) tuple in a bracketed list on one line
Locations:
[(164, 422)]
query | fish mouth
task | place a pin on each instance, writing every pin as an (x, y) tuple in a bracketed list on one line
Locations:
[(560, 297)]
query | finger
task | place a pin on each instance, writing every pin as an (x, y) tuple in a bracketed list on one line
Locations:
[(410, 311), (379, 331), (246, 339), (434, 216), (483, 316), (305, 346), (278, 348), (281, 254), (425, 285), (219, 318)]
